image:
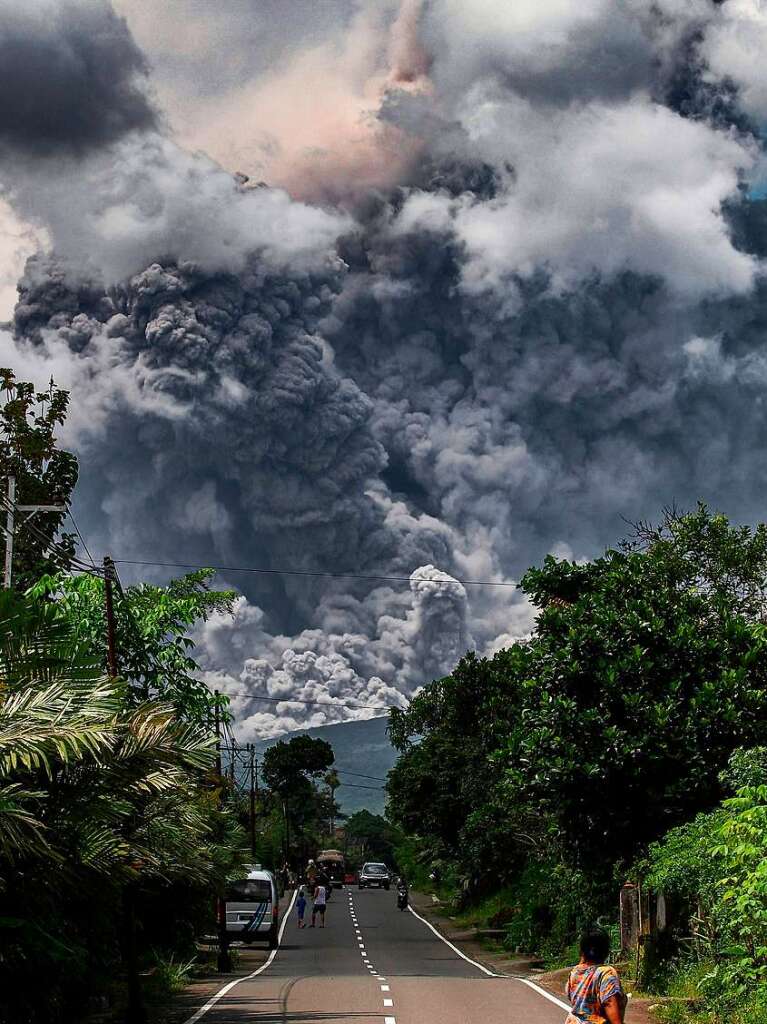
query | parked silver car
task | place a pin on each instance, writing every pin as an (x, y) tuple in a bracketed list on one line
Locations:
[(253, 907), (374, 874)]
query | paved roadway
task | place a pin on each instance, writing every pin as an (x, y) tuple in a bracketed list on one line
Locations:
[(373, 964)]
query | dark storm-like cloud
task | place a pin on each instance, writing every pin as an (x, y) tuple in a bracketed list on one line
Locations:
[(237, 436), (71, 77), (233, 418), (555, 319)]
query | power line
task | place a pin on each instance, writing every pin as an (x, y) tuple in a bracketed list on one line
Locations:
[(357, 775), (237, 749), (77, 531), (308, 572), (50, 545), (356, 785)]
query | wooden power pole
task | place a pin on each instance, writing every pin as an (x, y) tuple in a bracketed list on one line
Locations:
[(253, 787), (224, 961), (109, 575)]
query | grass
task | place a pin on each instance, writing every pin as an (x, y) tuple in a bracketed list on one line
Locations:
[(690, 1009), (487, 911), (174, 974)]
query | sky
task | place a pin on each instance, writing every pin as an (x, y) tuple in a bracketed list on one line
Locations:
[(412, 292)]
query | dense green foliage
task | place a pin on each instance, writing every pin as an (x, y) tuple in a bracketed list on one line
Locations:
[(152, 623), (291, 771), (712, 872), (114, 838), (550, 768), (371, 837), (105, 803)]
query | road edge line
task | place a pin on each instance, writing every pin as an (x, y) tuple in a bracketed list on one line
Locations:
[(199, 1014), (542, 991), (531, 984), (455, 949)]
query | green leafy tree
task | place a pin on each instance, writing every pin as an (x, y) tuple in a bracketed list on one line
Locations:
[(742, 907), (290, 769), (372, 837), (45, 474), (448, 786), (152, 624), (286, 764), (712, 872), (609, 725), (648, 669)]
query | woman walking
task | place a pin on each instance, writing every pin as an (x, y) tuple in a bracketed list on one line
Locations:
[(594, 988), (318, 906)]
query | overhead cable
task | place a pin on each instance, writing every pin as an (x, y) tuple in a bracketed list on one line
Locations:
[(51, 545), (333, 768), (80, 536), (319, 573)]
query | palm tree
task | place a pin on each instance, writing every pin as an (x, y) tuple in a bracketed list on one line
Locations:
[(112, 797), (55, 710)]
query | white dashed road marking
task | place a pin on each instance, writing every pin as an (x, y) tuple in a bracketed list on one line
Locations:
[(388, 1002)]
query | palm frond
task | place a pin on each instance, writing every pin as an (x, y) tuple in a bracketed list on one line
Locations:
[(58, 722), (39, 646), (21, 831)]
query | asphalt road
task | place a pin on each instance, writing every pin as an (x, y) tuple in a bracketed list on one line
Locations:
[(373, 963)]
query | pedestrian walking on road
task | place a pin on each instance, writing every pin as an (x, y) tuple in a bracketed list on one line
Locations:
[(324, 881), (301, 906), (311, 875), (318, 907), (594, 988)]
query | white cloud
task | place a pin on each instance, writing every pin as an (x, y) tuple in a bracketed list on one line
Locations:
[(734, 48), (17, 243), (144, 198), (416, 637), (596, 189)]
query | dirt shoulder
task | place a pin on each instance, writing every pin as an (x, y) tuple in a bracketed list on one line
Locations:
[(184, 1004), (245, 960)]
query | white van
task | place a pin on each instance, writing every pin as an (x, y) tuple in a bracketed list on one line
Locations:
[(253, 907)]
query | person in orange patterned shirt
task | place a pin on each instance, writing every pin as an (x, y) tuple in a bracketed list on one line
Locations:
[(594, 988)]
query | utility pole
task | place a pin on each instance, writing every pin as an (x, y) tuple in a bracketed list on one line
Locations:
[(217, 713), (135, 1012), (9, 528), (224, 962), (10, 525), (253, 785), (109, 575)]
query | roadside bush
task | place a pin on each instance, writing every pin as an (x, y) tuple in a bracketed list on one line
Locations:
[(715, 870), (548, 909)]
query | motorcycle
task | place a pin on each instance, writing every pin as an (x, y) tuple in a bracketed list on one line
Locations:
[(402, 897)]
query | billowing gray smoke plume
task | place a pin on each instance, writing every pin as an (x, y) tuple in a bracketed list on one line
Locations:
[(555, 319), (71, 77)]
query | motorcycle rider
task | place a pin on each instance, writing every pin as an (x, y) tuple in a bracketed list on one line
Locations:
[(403, 893)]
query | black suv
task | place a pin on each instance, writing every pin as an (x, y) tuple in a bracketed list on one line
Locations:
[(374, 875)]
